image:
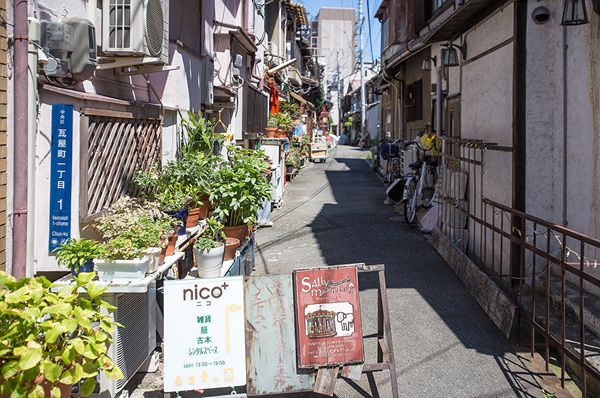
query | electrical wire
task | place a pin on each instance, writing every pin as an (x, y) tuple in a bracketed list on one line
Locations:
[(370, 39)]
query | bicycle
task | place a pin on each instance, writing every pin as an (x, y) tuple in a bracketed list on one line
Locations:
[(419, 189), (390, 152)]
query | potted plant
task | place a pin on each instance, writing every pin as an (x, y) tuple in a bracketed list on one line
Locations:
[(240, 189), (285, 124), (50, 341), (209, 249), (78, 255), (129, 227), (271, 128)]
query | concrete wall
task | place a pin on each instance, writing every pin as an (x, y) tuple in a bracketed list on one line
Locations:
[(336, 40)]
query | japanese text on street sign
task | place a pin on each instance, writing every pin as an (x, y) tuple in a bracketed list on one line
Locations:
[(61, 175), (328, 329), (205, 343)]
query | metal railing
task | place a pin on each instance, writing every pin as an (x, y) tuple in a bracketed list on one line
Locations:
[(546, 269)]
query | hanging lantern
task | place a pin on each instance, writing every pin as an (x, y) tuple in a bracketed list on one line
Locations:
[(574, 13)]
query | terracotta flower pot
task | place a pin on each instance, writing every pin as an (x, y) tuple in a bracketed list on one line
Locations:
[(270, 132), (170, 249), (238, 231), (230, 246), (193, 217), (205, 208), (281, 134)]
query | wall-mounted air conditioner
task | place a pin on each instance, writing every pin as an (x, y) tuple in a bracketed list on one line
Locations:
[(133, 343), (136, 28)]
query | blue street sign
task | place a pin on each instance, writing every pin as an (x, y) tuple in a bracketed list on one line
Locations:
[(61, 175)]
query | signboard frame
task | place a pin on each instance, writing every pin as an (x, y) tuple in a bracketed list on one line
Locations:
[(327, 311)]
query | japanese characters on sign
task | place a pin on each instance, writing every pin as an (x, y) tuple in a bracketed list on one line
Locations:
[(328, 329), (204, 334), (61, 175)]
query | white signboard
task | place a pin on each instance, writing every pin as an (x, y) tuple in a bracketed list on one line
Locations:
[(205, 343)]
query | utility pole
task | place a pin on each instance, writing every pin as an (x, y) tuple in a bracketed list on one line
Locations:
[(339, 94), (363, 101)]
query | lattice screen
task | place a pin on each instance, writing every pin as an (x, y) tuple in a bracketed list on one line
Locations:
[(116, 145)]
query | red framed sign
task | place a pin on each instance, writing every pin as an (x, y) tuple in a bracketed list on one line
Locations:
[(328, 328)]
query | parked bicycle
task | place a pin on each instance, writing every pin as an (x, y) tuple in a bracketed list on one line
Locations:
[(419, 189), (391, 153)]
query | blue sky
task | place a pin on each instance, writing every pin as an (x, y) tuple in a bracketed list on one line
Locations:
[(313, 6)]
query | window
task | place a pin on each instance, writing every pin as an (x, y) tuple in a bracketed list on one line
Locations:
[(387, 117), (385, 34), (414, 101), (314, 42), (435, 4)]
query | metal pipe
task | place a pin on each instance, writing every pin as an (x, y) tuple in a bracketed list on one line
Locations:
[(438, 101), (34, 39), (519, 166), (565, 219), (20, 153)]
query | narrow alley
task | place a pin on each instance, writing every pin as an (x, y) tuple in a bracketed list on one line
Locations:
[(444, 344)]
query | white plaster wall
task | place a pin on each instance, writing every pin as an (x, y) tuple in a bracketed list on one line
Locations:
[(544, 115), (373, 122), (486, 83)]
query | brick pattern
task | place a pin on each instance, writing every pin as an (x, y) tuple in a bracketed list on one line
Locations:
[(3, 133)]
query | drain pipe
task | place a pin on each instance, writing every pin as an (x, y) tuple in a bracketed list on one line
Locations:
[(34, 38), (20, 138), (438, 101), (519, 131), (565, 219)]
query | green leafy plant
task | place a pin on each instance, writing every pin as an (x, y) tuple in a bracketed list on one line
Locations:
[(76, 252), (61, 337), (290, 108), (201, 137), (240, 186), (130, 226), (211, 235), (285, 121)]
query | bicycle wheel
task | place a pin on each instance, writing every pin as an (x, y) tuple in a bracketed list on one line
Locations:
[(410, 205), (429, 192)]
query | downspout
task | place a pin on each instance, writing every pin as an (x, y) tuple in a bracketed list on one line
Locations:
[(519, 132), (34, 39), (438, 100), (565, 220), (20, 137)]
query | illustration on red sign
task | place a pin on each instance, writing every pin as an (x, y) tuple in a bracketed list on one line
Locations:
[(328, 317)]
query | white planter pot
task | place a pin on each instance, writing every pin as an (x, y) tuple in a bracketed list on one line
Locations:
[(209, 262), (122, 270), (154, 254)]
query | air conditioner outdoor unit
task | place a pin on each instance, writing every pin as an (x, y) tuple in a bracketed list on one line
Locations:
[(136, 28), (133, 343)]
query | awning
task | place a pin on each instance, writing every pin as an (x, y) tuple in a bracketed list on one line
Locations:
[(296, 96), (464, 18)]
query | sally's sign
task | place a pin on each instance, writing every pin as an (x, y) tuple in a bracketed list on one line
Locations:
[(328, 326)]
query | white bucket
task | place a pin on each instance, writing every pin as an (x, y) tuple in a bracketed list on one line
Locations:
[(209, 262)]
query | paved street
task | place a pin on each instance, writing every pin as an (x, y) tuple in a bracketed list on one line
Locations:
[(444, 344)]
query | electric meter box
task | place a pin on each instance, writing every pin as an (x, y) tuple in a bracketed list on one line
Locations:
[(83, 60)]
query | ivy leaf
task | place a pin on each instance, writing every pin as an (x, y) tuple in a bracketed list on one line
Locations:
[(78, 345), (88, 386), (51, 371), (30, 358), (70, 325), (10, 369), (114, 373)]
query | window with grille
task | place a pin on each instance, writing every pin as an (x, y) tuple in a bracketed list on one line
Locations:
[(113, 146)]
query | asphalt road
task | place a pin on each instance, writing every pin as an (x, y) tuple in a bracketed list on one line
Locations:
[(334, 213), (444, 344)]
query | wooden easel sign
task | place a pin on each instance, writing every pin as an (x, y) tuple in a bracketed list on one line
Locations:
[(328, 330)]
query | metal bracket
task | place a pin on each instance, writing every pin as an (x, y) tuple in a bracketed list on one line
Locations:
[(129, 66)]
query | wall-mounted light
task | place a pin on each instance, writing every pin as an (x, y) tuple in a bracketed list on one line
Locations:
[(450, 55), (574, 13), (427, 63)]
